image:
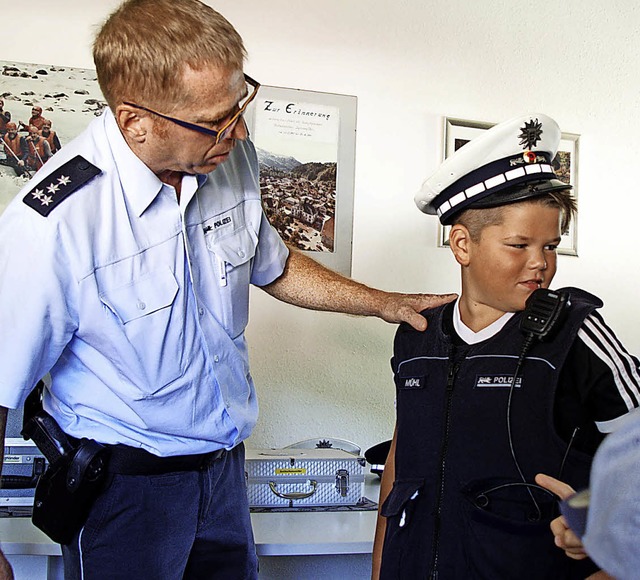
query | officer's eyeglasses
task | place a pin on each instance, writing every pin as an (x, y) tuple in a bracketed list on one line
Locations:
[(252, 91)]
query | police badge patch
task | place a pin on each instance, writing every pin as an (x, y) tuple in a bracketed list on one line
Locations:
[(496, 381), (60, 184)]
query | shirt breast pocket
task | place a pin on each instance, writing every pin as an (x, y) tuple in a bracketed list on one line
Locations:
[(231, 257), (151, 323)]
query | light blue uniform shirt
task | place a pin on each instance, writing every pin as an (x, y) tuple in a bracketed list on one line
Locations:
[(136, 305)]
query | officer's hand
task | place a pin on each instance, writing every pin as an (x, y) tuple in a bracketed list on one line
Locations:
[(563, 534), (406, 307)]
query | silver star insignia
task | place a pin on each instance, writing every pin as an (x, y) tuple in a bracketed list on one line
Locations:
[(53, 188), (46, 200), (37, 193), (64, 180)]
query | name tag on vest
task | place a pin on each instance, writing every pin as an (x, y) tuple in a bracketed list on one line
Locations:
[(413, 382)]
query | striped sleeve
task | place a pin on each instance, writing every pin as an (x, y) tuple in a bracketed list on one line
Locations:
[(624, 381)]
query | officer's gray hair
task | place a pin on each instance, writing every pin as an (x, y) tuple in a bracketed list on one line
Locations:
[(144, 47)]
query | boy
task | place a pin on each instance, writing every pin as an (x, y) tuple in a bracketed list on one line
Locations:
[(478, 413)]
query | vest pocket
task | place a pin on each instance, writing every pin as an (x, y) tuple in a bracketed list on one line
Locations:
[(404, 491), (399, 508), (507, 518)]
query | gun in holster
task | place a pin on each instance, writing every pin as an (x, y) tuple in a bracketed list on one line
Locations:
[(75, 476)]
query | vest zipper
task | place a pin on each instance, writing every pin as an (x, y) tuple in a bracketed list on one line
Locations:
[(451, 377)]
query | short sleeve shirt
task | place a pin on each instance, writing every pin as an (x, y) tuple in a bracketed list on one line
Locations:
[(137, 305)]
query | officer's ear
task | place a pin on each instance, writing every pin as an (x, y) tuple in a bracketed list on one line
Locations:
[(460, 244), (132, 123)]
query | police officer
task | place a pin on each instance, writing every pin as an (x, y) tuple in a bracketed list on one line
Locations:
[(129, 261)]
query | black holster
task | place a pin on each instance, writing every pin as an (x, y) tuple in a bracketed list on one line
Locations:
[(75, 476)]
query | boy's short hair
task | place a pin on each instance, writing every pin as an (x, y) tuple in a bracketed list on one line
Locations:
[(508, 163), (476, 220), (142, 49)]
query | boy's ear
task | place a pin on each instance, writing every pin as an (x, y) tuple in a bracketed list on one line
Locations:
[(459, 242)]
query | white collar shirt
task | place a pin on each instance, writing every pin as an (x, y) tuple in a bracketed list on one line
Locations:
[(134, 304)]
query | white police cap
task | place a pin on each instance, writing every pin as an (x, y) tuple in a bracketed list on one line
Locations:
[(509, 162)]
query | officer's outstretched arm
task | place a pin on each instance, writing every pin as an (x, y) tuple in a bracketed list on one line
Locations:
[(308, 284)]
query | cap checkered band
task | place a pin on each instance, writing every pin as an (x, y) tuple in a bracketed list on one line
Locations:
[(494, 177)]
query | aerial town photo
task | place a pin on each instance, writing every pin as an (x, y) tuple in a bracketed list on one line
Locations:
[(299, 200)]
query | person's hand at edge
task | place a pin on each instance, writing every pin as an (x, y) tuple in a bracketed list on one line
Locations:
[(564, 536)]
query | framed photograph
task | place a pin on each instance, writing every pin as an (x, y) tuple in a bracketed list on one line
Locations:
[(69, 98), (305, 142), (458, 132)]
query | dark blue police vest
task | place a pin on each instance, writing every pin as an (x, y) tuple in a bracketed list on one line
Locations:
[(459, 509)]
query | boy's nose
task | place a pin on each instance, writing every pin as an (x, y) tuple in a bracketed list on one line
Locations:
[(539, 262)]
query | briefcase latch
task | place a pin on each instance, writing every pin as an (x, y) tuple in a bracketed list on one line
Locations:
[(342, 482)]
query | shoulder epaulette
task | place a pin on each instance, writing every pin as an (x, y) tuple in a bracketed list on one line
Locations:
[(60, 184)]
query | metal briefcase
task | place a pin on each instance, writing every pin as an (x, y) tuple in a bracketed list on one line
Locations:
[(303, 477), (23, 466)]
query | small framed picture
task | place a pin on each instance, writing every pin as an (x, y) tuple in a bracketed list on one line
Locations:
[(458, 132)]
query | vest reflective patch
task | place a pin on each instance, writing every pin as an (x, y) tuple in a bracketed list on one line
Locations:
[(496, 381), (414, 383)]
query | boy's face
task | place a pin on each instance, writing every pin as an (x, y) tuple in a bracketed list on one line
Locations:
[(512, 259)]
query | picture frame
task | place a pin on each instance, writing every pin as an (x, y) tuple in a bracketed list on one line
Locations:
[(305, 142), (457, 132)]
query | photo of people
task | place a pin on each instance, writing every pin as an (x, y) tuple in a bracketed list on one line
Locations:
[(42, 107)]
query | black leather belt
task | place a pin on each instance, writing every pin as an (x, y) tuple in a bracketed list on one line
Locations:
[(133, 461)]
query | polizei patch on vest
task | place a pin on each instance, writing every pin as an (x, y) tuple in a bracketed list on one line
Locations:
[(496, 381), (60, 184)]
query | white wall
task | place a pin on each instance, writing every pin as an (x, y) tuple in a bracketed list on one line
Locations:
[(410, 62)]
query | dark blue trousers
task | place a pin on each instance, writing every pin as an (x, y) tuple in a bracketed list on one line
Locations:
[(191, 524)]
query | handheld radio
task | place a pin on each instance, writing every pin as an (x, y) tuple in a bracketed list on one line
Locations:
[(543, 313)]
